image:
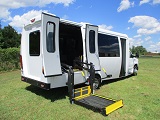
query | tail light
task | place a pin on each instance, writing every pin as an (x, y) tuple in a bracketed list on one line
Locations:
[(21, 64)]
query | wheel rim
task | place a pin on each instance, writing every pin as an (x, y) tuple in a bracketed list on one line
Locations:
[(135, 70), (96, 83)]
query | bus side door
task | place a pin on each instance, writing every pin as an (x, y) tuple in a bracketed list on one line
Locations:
[(91, 38)]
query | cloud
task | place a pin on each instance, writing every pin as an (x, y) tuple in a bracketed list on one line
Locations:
[(148, 38), (131, 42), (124, 5), (154, 47), (128, 28), (156, 1), (18, 21), (64, 2), (78, 7), (132, 4), (138, 42), (146, 24), (146, 43), (137, 36), (103, 26), (149, 1), (4, 13), (6, 5), (65, 17), (143, 2), (135, 42)]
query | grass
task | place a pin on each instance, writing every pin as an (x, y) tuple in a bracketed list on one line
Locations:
[(140, 94)]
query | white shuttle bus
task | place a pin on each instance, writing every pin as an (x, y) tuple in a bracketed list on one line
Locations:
[(48, 42)]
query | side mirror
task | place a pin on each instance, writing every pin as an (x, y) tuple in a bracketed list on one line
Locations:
[(137, 55), (131, 56)]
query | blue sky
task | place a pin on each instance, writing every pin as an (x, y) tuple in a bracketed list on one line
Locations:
[(139, 19)]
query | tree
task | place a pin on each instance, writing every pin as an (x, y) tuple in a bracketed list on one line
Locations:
[(133, 49), (0, 25), (9, 37), (139, 49)]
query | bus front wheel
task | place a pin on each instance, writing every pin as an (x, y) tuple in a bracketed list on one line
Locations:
[(97, 82)]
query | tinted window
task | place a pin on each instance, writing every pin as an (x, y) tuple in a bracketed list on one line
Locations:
[(34, 43), (50, 40), (108, 46), (92, 41)]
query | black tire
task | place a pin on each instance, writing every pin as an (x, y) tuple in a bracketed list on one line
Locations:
[(97, 82), (135, 70)]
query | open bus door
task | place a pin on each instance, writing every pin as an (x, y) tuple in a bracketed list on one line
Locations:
[(50, 45), (92, 46)]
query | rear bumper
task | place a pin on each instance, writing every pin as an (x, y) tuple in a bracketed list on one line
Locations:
[(42, 85)]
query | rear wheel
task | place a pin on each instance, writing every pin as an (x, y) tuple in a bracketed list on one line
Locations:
[(135, 70), (97, 82)]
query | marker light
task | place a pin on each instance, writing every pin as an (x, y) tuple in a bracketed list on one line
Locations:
[(32, 20)]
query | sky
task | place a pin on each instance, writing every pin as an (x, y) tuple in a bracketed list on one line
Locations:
[(139, 19)]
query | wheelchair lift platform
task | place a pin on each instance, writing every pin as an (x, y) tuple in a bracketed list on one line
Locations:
[(85, 96), (105, 106)]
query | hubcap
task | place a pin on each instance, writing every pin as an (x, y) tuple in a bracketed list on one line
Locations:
[(96, 83)]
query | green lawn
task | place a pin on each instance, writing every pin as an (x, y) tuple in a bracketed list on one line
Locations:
[(140, 94)]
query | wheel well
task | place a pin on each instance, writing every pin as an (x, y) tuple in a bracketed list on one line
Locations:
[(98, 76)]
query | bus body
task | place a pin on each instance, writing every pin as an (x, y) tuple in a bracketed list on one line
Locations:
[(48, 42)]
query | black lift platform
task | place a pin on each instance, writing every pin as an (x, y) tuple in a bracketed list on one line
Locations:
[(84, 96), (95, 102)]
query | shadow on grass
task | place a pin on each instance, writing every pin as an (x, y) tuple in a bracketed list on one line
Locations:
[(115, 80), (62, 93), (53, 94)]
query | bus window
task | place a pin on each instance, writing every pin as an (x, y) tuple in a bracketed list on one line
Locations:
[(50, 37), (92, 41), (34, 43), (108, 46)]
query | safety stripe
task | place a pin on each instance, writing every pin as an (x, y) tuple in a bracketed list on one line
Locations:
[(104, 97), (113, 107), (104, 70), (82, 73)]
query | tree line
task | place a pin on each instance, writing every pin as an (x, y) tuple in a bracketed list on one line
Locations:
[(138, 49), (9, 48), (9, 37)]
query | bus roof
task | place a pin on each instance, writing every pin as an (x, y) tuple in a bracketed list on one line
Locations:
[(108, 32), (82, 24)]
